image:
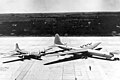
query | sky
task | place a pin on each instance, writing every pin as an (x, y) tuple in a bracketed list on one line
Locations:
[(49, 6)]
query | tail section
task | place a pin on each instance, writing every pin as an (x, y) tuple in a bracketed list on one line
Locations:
[(17, 48), (98, 49), (57, 40)]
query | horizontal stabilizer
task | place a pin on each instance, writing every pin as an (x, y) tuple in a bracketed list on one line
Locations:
[(98, 49)]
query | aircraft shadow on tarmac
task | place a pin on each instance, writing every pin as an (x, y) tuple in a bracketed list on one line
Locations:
[(21, 59), (72, 58), (63, 60), (13, 60), (57, 61)]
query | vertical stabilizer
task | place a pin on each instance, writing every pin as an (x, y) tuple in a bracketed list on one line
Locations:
[(17, 47), (57, 40)]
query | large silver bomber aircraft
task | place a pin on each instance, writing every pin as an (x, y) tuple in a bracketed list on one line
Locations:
[(85, 50)]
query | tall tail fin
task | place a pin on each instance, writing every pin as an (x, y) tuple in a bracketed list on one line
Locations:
[(17, 47), (57, 40)]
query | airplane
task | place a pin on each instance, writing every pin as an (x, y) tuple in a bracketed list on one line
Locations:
[(22, 54), (84, 51), (22, 57)]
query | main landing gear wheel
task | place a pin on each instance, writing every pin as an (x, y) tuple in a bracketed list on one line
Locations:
[(116, 59)]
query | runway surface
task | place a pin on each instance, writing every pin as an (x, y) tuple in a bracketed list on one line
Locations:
[(58, 68)]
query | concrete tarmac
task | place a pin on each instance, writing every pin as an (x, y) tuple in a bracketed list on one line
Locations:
[(58, 68)]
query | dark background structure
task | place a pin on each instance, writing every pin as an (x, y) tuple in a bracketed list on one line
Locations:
[(66, 24)]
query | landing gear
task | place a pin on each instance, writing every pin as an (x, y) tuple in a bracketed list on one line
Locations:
[(86, 57), (22, 59), (116, 59)]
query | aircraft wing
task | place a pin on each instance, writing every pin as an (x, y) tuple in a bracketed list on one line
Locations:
[(10, 56), (90, 46), (13, 60), (80, 51), (15, 55)]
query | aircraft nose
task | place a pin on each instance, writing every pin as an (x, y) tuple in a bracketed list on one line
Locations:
[(116, 52)]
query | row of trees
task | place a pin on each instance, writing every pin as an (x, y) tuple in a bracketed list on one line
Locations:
[(89, 25)]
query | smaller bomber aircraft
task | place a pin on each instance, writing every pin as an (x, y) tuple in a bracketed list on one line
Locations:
[(22, 54)]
